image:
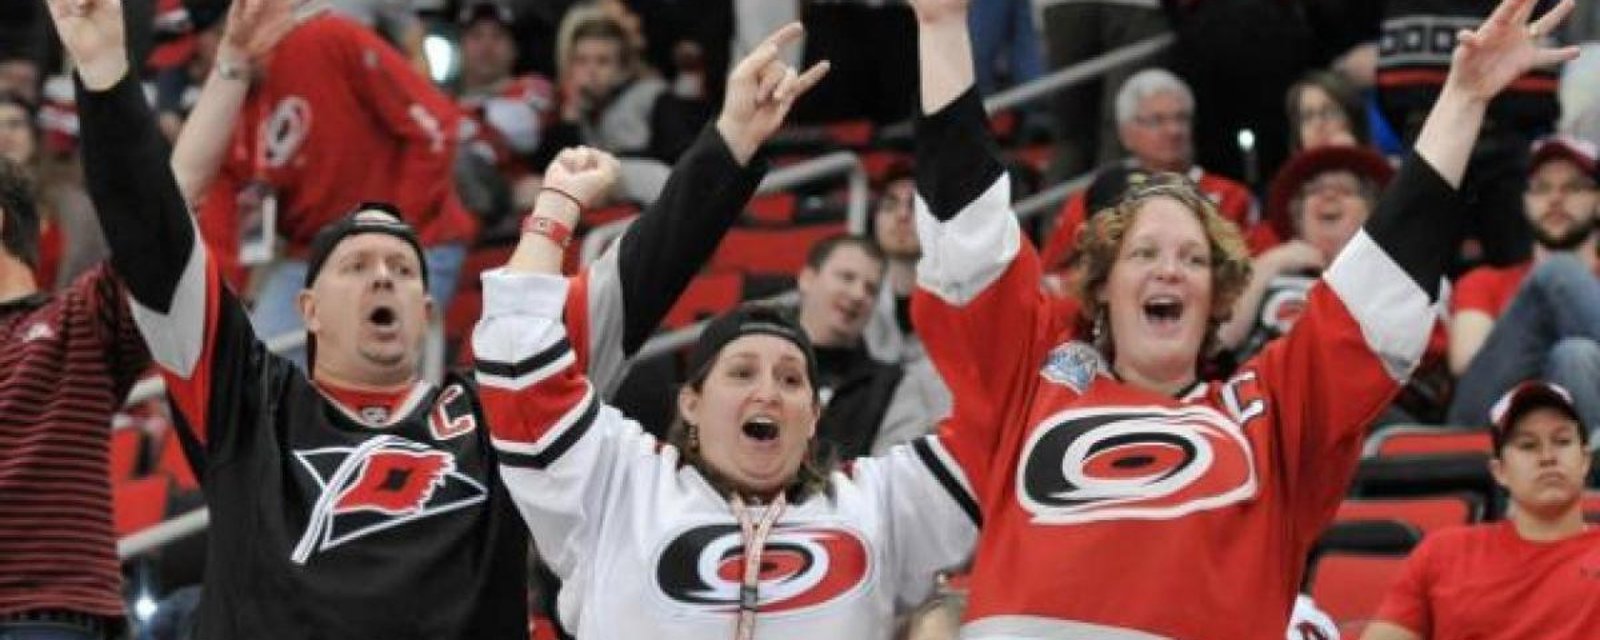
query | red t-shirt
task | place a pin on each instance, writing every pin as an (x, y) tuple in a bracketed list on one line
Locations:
[(338, 119), (1489, 289), (1486, 582)]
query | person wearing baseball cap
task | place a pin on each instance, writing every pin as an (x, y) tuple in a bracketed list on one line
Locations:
[(1540, 318), (1534, 575), (1318, 200)]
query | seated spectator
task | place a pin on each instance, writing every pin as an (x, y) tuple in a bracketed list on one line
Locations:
[(866, 406), (1155, 115), (69, 240), (20, 74), (506, 114), (1530, 576), (1539, 318), (889, 335), (609, 100), (1326, 195), (1324, 110)]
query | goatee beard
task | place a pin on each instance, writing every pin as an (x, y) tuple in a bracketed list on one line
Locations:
[(1568, 241)]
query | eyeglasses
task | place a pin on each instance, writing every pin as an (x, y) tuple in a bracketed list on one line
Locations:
[(1158, 120), (1331, 113)]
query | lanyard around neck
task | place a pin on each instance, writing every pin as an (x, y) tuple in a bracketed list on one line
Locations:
[(755, 539)]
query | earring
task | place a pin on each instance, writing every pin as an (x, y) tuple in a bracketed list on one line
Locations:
[(693, 438), (1099, 330)]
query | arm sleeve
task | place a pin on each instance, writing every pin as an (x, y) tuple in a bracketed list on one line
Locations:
[(1365, 330), (196, 331), (413, 111), (1407, 604), (930, 527), (977, 279), (630, 288), (560, 450)]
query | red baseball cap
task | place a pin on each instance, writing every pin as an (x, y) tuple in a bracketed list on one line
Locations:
[(1581, 153)]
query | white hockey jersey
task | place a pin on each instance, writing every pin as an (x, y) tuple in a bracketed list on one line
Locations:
[(647, 548)]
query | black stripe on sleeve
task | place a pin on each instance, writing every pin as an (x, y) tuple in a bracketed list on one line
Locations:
[(142, 213), (680, 231), (563, 442), (527, 365), (957, 159), (947, 480), (1418, 223)]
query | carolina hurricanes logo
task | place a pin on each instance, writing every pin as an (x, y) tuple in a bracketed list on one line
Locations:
[(802, 566), (385, 482), (284, 131), (1145, 463)]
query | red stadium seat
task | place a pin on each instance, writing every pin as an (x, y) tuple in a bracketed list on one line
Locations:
[(1351, 586), (708, 294), (1591, 506), (1423, 440), (1426, 513), (126, 445), (779, 251), (138, 504), (774, 208), (850, 133)]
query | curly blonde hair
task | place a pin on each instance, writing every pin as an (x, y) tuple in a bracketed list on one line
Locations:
[(1101, 241)]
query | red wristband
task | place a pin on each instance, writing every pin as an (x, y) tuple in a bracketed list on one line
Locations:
[(549, 227)]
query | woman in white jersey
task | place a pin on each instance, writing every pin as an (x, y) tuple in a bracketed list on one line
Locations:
[(737, 528)]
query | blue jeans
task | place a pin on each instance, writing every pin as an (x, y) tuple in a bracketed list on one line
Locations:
[(1551, 330), (43, 631), (1003, 29), (277, 314)]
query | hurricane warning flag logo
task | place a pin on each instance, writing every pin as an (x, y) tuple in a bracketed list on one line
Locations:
[(802, 566), (1140, 463), (385, 482)]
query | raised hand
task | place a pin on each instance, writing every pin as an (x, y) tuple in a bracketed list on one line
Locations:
[(1506, 46), (933, 11), (583, 173), (92, 32), (761, 90), (255, 26)]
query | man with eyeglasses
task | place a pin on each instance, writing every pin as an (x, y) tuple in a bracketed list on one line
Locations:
[(1539, 318), (1155, 118)]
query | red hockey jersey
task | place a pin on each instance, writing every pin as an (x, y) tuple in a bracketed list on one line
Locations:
[(338, 119), (1114, 512)]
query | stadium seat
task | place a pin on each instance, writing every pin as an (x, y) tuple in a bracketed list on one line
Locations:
[(1591, 506), (773, 208), (1426, 513), (1350, 586), (127, 444), (708, 294), (778, 251), (1429, 475), (138, 504), (1404, 440)]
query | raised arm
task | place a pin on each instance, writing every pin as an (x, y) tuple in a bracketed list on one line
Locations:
[(252, 29), (197, 332), (628, 290), (1485, 62)]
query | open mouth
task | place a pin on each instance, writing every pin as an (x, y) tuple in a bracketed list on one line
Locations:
[(1162, 310), (761, 429), (383, 317)]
